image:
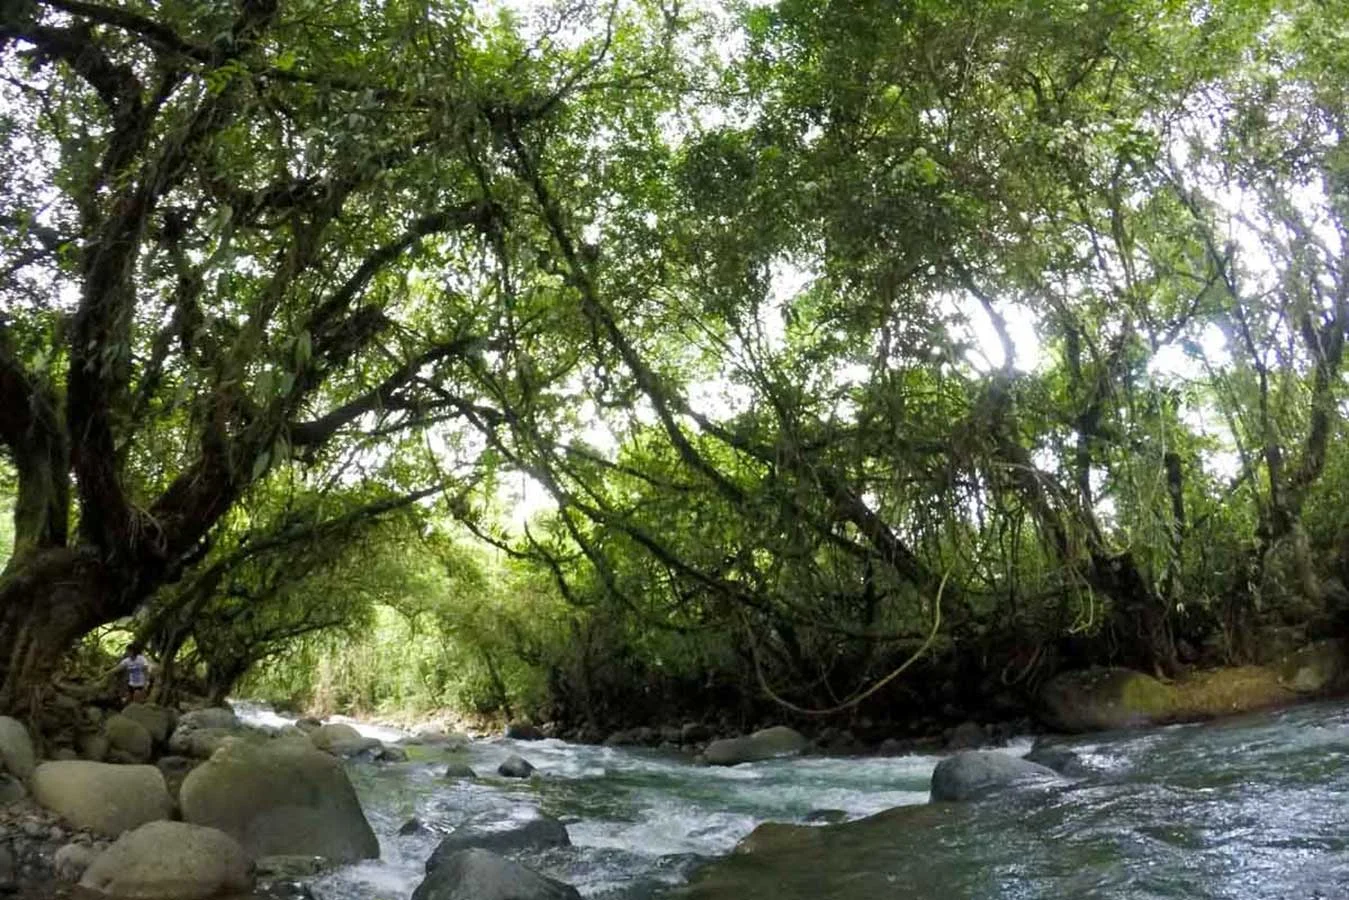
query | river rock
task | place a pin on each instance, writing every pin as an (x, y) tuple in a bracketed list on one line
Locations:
[(130, 737), (280, 799), (308, 724), (482, 875), (392, 755), (171, 861), (522, 730), (509, 836), (641, 736), (7, 871), (343, 740), (16, 749), (694, 733), (974, 774), (175, 769), (211, 717), (1102, 699), (94, 747), (102, 797), (515, 767), (71, 861), (1317, 668), (457, 770), (11, 790), (766, 744), (1060, 759), (159, 721)]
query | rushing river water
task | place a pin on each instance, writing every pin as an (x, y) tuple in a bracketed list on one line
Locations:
[(1256, 807)]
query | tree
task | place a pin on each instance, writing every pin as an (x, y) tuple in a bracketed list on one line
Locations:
[(237, 238)]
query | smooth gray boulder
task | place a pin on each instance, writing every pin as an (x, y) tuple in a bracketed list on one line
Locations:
[(280, 799), (202, 743), (482, 875), (129, 736), (72, 860), (158, 720), (16, 749), (11, 790), (508, 836), (457, 770), (343, 740), (102, 797), (211, 717), (516, 767), (170, 861), (768, 743), (975, 774)]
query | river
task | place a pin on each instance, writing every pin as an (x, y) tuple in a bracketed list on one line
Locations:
[(1251, 807)]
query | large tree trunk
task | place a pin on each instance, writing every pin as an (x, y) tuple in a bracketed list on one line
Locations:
[(48, 600)]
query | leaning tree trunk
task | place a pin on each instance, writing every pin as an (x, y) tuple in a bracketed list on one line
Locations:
[(48, 601)]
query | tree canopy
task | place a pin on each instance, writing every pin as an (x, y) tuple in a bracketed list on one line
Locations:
[(842, 337)]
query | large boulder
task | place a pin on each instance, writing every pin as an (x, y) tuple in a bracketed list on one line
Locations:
[(170, 861), (129, 736), (508, 836), (482, 875), (280, 799), (1102, 699), (102, 797), (522, 730), (1318, 668), (975, 774), (343, 740), (202, 743), (157, 720), (515, 767), (16, 748), (766, 744), (211, 717)]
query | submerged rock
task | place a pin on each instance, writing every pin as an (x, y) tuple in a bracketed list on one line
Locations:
[(516, 767), (975, 774), (766, 744), (510, 836), (102, 797), (281, 798), (170, 861), (1060, 759), (482, 875), (457, 770)]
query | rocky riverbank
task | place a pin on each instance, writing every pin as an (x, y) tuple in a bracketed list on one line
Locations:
[(267, 808)]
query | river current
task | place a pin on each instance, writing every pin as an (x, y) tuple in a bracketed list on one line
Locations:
[(1246, 808)]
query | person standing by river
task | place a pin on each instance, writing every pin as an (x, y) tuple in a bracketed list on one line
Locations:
[(137, 668)]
